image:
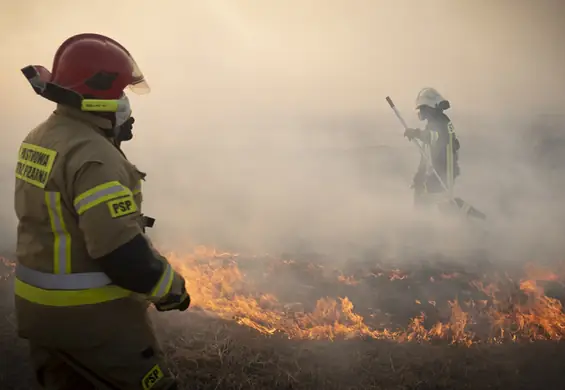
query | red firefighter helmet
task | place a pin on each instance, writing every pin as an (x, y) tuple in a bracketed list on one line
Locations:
[(95, 66)]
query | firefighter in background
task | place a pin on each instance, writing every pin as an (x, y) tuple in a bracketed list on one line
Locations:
[(440, 149), (439, 157), (86, 273)]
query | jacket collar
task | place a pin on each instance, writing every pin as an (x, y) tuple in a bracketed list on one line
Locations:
[(86, 117)]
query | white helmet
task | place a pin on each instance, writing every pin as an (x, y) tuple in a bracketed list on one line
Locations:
[(431, 98)]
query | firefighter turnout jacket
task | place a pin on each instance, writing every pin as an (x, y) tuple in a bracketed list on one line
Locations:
[(441, 146), (77, 199)]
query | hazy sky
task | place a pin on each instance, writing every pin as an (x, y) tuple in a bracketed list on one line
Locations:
[(234, 73), (312, 53), (219, 60)]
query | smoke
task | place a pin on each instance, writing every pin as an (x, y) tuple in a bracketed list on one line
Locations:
[(266, 127)]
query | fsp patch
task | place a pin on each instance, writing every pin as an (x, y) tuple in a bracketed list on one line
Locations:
[(450, 127), (122, 206), (35, 164), (152, 377)]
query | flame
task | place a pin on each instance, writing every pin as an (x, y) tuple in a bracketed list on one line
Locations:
[(453, 275), (537, 272), (6, 268), (508, 310), (349, 280), (396, 274), (219, 287)]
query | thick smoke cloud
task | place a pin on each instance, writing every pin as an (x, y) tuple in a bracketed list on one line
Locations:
[(267, 129)]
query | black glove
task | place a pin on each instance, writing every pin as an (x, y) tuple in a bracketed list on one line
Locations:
[(174, 302), (177, 298), (412, 133)]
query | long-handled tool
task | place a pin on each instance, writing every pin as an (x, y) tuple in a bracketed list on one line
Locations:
[(459, 203)]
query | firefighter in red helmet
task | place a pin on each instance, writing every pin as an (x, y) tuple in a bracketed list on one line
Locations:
[(85, 267)]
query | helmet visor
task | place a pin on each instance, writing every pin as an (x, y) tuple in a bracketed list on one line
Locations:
[(138, 83)]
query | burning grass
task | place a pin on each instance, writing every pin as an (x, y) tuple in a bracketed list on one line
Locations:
[(289, 323), (461, 307)]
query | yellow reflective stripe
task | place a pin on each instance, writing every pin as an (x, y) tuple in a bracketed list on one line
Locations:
[(62, 298), (137, 188), (434, 136), (165, 282), (449, 161), (62, 238), (100, 194)]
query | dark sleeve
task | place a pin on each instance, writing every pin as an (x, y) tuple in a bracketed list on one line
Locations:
[(134, 266)]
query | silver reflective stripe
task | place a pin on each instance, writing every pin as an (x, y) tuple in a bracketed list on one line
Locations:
[(62, 242), (47, 281), (98, 195), (161, 289)]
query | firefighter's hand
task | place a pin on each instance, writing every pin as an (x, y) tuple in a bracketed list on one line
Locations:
[(177, 298), (174, 302), (412, 133)]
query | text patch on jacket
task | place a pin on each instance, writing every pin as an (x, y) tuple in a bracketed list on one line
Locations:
[(35, 164)]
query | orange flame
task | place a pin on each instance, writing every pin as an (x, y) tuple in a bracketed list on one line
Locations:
[(218, 286)]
